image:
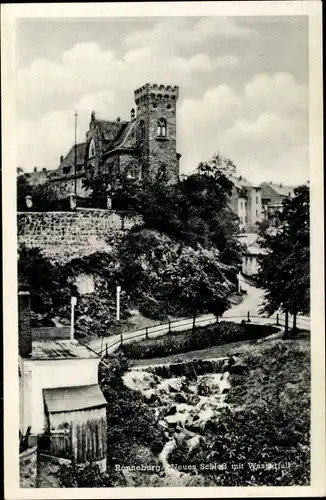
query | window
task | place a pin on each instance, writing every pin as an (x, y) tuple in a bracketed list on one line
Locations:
[(161, 174), (257, 200), (161, 127), (66, 170), (256, 213), (91, 150), (142, 130)]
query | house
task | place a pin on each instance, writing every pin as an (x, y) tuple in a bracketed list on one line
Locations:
[(60, 400), (65, 179), (245, 201), (250, 265), (143, 147), (272, 200)]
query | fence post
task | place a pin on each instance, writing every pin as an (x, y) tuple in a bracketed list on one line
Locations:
[(169, 326), (248, 316), (217, 319), (146, 332), (277, 319), (121, 338), (106, 349)]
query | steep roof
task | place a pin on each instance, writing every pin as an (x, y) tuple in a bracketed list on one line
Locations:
[(280, 189), (117, 134), (69, 159), (239, 182)]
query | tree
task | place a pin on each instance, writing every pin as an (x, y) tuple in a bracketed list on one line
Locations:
[(284, 269), (44, 196), (199, 282)]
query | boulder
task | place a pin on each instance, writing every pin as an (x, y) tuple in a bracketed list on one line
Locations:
[(193, 442), (239, 368), (171, 410), (180, 398), (151, 396)]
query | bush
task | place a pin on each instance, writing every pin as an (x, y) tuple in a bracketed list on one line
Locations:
[(202, 338)]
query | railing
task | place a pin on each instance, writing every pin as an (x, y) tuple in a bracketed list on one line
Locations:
[(277, 319)]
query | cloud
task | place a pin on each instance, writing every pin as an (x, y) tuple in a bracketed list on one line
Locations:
[(260, 122), (263, 129), (177, 31)]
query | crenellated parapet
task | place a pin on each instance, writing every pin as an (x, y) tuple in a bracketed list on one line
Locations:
[(153, 91)]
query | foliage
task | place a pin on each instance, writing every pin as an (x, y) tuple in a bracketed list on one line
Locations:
[(51, 287), (268, 423), (129, 416), (284, 270), (202, 338), (37, 274), (86, 476), (44, 196)]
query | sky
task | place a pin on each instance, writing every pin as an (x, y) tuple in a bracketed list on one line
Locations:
[(243, 86)]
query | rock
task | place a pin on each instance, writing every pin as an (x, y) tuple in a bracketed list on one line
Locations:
[(177, 418), (193, 399), (150, 396), (180, 398), (172, 410), (193, 442), (239, 369), (163, 424)]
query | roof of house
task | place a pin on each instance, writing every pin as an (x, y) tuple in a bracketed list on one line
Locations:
[(117, 134), (240, 182), (251, 242), (280, 189), (60, 349), (73, 398)]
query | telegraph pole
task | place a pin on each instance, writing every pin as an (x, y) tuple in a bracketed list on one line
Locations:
[(76, 153)]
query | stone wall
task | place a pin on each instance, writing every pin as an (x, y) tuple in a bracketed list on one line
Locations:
[(66, 235), (28, 468)]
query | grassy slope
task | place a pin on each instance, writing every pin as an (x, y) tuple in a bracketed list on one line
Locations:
[(269, 423)]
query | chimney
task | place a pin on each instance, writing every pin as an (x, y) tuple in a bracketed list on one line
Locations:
[(281, 185), (93, 116), (44, 169), (24, 324), (61, 159), (132, 114), (35, 169), (118, 119)]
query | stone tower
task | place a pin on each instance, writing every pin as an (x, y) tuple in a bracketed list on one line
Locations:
[(156, 131)]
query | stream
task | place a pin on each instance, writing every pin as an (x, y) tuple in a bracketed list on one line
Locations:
[(184, 404)]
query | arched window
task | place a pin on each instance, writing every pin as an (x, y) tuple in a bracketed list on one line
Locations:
[(142, 131), (161, 174), (161, 127), (91, 150)]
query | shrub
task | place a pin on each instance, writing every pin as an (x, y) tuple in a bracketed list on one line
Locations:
[(201, 338)]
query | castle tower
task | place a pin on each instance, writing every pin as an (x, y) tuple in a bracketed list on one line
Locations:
[(156, 131)]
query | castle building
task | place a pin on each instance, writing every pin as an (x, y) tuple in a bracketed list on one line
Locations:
[(143, 147)]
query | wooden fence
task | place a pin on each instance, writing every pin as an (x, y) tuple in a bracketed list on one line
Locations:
[(84, 441)]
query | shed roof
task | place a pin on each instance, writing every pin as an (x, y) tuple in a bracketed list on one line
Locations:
[(64, 399), (60, 349)]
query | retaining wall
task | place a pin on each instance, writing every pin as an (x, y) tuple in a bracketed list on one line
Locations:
[(28, 468), (65, 235)]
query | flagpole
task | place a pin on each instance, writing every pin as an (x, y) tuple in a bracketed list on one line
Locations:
[(76, 153)]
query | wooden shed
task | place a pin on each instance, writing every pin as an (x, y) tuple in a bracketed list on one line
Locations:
[(76, 422)]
